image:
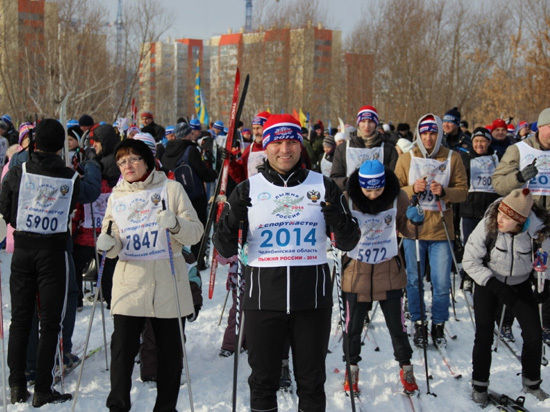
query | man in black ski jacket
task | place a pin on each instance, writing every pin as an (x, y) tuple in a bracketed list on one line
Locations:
[(287, 213), (174, 156), (37, 199)]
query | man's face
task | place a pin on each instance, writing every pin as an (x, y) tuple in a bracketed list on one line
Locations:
[(283, 155), (147, 120), (319, 132), (257, 131), (367, 127), (170, 136), (428, 140), (499, 133), (480, 145), (449, 127), (544, 136), (72, 143)]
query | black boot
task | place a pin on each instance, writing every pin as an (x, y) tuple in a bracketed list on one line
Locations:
[(438, 334), (42, 398), (19, 394), (420, 337)]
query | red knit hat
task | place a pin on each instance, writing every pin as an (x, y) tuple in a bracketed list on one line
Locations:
[(146, 115), (498, 123), (367, 113)]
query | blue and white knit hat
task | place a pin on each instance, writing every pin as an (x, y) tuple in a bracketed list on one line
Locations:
[(72, 123), (427, 125), (195, 124), (218, 125), (281, 127), (169, 130), (148, 139), (372, 175), (367, 113)]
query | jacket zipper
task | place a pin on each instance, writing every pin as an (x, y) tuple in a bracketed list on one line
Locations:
[(512, 265)]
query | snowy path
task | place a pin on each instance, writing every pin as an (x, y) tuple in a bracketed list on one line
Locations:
[(212, 376)]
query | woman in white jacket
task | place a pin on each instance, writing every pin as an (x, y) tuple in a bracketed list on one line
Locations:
[(142, 283)]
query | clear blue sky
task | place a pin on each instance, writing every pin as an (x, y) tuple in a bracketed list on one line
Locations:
[(205, 18)]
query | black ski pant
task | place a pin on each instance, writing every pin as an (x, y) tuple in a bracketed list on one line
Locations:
[(392, 310), (486, 305), (266, 333), (124, 348), (45, 272)]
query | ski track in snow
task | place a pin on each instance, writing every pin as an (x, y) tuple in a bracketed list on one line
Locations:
[(211, 376)]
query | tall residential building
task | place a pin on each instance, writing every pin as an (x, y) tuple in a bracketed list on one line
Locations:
[(167, 78), (21, 34)]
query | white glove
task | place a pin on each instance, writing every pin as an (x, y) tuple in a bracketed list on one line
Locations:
[(105, 242), (167, 220), (3, 228)]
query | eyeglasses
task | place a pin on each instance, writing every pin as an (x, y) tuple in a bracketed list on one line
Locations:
[(125, 162)]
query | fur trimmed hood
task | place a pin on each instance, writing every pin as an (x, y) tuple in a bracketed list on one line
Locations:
[(383, 202)]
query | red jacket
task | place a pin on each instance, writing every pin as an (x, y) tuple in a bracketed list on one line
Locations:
[(85, 236)]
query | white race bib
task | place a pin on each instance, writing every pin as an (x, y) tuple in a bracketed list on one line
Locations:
[(99, 206), (44, 203), (356, 156), (378, 241), (285, 224), (540, 184), (326, 166), (135, 216), (430, 169), (481, 173)]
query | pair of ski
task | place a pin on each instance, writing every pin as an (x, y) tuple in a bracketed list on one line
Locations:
[(505, 403)]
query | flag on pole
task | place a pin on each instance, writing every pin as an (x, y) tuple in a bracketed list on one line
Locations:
[(295, 114), (303, 119), (200, 106)]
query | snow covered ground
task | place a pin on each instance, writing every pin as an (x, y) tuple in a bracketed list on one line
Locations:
[(212, 376)]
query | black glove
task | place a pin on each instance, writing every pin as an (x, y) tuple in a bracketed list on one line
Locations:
[(506, 294), (527, 173), (241, 205), (332, 213), (226, 154), (193, 316)]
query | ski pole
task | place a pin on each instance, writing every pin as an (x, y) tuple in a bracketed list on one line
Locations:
[(182, 337), (99, 275), (367, 325), (453, 300), (239, 324), (338, 269), (539, 264), (3, 350), (100, 290), (499, 334), (416, 203), (223, 308)]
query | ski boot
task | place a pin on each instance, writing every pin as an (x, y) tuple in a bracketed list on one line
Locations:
[(534, 390), (19, 394), (285, 382), (420, 337), (480, 397), (224, 353), (354, 369), (506, 333), (42, 398), (438, 334), (408, 381)]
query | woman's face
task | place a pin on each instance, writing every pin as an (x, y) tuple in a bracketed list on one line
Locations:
[(506, 224), (372, 194), (132, 167)]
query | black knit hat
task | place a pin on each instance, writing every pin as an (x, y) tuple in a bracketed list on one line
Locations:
[(403, 127), (49, 136), (85, 120), (182, 130), (452, 116), (139, 148)]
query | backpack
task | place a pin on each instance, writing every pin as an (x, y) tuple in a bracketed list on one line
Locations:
[(187, 176)]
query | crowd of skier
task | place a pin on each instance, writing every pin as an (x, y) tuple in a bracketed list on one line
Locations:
[(377, 213)]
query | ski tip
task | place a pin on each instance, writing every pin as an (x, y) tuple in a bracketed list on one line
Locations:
[(459, 376), (377, 349)]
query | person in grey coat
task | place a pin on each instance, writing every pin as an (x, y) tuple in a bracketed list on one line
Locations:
[(498, 257)]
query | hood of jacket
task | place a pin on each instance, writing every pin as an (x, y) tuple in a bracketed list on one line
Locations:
[(418, 141), (174, 150), (108, 137), (382, 202)]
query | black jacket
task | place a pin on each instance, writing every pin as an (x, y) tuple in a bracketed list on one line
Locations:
[(310, 287), (460, 142), (339, 164), (477, 202), (175, 150), (46, 164), (109, 140), (156, 130)]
